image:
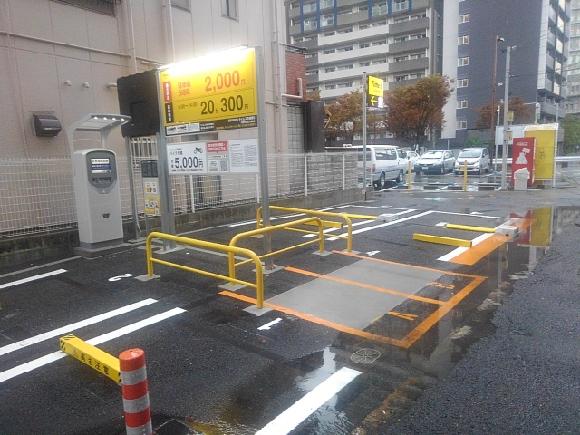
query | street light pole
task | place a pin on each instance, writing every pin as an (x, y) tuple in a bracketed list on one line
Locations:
[(504, 153), (493, 91), (364, 132)]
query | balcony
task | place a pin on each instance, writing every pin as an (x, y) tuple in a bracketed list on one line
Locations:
[(341, 3), (409, 65), (395, 85), (352, 18), (338, 38), (353, 54), (356, 72), (409, 26), (415, 44)]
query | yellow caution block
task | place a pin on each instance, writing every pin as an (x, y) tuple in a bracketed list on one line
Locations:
[(469, 228), (94, 357), (329, 224), (451, 241)]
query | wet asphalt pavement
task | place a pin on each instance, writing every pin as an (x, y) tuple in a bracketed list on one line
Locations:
[(525, 378), (216, 368)]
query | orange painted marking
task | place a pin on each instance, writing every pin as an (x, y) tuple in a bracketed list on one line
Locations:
[(477, 252), (311, 318), (378, 260), (435, 317), (363, 285)]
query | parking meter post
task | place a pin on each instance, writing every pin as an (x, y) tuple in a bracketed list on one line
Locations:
[(262, 154), (465, 175)]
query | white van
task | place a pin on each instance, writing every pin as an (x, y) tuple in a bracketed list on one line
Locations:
[(384, 162)]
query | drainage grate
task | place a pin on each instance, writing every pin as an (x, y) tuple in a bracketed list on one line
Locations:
[(365, 356)]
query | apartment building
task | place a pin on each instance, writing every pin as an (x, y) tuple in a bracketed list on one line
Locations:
[(397, 40), (538, 31), (573, 65), (63, 57)]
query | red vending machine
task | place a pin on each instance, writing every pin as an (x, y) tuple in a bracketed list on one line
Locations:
[(523, 155)]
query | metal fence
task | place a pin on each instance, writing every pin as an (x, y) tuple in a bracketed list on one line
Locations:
[(37, 196)]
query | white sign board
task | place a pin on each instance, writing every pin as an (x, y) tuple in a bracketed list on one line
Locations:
[(213, 157), (187, 158)]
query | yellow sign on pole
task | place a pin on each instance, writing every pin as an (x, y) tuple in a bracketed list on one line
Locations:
[(375, 86), (215, 92), (545, 150)]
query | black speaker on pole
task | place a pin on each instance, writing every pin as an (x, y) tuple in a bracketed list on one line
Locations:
[(314, 126), (139, 98)]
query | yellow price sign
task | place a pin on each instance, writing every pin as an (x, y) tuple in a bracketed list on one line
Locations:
[(375, 86), (217, 92)]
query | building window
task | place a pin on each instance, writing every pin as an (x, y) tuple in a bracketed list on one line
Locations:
[(463, 40), (364, 63), (329, 86), (345, 84), (401, 19), (461, 124), (329, 51), (400, 39), (364, 45), (376, 61), (326, 4), (363, 26), (349, 48), (347, 30), (327, 20), (328, 33), (310, 24), (382, 42), (400, 5), (464, 18), (230, 9), (463, 61), (309, 7), (401, 58), (101, 6), (463, 104), (343, 67), (462, 83), (401, 78), (329, 69)]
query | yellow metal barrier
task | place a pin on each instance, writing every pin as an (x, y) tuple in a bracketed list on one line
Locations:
[(470, 228), (451, 241), (344, 217), (92, 356), (230, 250), (285, 226)]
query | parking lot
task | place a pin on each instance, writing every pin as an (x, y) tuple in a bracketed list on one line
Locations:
[(347, 340)]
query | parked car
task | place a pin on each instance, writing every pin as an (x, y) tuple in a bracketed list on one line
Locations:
[(435, 161), (477, 161), (384, 162)]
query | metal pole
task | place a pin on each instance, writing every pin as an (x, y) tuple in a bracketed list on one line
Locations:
[(263, 152), (493, 91), (134, 210), (504, 153), (165, 193), (496, 157), (364, 132)]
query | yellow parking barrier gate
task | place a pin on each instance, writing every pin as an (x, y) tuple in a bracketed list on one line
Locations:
[(451, 241), (343, 217), (470, 228), (230, 250), (272, 228), (92, 356)]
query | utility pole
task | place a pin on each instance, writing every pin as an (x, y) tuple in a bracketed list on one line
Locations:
[(493, 91), (364, 132), (504, 153)]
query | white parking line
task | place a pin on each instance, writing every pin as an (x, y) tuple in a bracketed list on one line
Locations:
[(301, 410), (387, 224), (32, 278), (269, 325), (461, 249), (55, 356), (12, 347)]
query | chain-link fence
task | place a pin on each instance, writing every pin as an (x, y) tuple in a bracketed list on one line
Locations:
[(37, 195)]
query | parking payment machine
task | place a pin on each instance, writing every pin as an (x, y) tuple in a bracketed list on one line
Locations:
[(97, 197)]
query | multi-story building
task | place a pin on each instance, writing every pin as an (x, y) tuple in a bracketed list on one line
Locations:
[(537, 29), (397, 40), (573, 64)]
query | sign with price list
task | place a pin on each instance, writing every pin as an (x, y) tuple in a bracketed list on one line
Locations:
[(210, 93)]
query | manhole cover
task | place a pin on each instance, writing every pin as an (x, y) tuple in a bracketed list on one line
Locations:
[(365, 356)]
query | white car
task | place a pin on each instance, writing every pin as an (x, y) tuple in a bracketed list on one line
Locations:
[(477, 161), (384, 162), (435, 161)]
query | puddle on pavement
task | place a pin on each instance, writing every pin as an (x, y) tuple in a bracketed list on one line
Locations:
[(392, 379)]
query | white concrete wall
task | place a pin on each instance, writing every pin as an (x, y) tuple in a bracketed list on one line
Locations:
[(49, 49)]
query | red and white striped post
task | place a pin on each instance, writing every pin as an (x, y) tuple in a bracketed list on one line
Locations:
[(135, 392)]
